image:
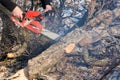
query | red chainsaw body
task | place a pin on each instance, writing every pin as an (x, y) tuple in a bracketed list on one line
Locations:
[(30, 22)]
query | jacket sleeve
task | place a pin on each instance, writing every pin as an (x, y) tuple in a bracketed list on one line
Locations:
[(45, 2), (8, 4)]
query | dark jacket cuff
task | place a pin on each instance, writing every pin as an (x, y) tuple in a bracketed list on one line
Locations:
[(8, 4)]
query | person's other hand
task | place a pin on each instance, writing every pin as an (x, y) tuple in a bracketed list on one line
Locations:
[(17, 12), (48, 7)]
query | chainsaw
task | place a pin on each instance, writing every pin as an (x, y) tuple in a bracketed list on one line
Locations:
[(31, 20)]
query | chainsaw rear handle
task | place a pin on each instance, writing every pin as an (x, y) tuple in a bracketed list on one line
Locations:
[(16, 21)]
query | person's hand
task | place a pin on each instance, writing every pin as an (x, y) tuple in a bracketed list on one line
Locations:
[(17, 12), (48, 8)]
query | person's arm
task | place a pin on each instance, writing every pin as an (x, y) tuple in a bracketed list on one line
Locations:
[(45, 2), (46, 5), (16, 10), (8, 4)]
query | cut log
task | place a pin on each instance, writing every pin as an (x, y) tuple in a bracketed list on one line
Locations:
[(43, 63)]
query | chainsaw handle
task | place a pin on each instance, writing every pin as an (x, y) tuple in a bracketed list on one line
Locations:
[(23, 15), (16, 21), (48, 13)]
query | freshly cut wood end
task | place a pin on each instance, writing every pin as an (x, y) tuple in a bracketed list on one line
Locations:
[(10, 55), (69, 48)]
